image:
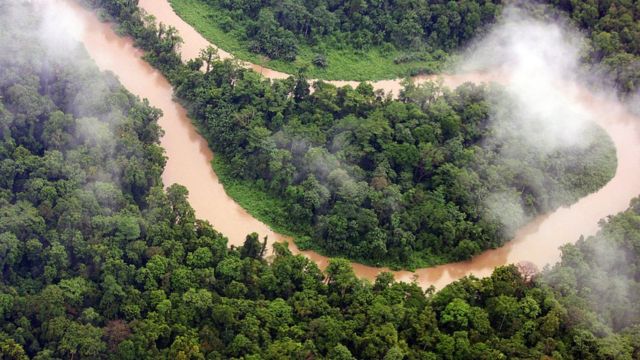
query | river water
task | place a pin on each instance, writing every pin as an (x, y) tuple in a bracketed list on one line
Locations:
[(189, 157)]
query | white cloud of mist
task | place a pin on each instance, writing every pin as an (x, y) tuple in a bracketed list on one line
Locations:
[(57, 31), (541, 63), (48, 35), (507, 208), (538, 62), (539, 59), (60, 31)]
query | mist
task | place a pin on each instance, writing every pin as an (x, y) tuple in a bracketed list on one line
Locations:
[(536, 111), (47, 35), (539, 60), (541, 69), (59, 31)]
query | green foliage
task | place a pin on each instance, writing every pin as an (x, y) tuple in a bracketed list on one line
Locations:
[(95, 266), (598, 276), (614, 30), (410, 182), (365, 56), (320, 61)]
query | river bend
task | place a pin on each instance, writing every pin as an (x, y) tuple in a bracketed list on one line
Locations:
[(189, 157)]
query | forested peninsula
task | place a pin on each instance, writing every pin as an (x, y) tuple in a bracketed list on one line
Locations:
[(411, 182)]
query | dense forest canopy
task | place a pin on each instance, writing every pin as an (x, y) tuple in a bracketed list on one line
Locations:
[(614, 29), (98, 261), (418, 35), (412, 181), (275, 28), (409, 182), (341, 40)]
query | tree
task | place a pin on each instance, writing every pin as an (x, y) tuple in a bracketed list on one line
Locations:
[(98, 265), (456, 315), (527, 270), (82, 340), (115, 332), (340, 276), (340, 352), (209, 55), (11, 350), (320, 61), (327, 334), (186, 348), (10, 251), (252, 247)]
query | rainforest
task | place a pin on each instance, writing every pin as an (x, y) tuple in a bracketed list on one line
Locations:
[(103, 256)]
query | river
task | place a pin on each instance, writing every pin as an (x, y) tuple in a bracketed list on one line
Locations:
[(189, 158)]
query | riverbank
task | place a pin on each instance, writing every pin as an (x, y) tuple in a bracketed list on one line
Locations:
[(260, 204), (347, 64), (272, 210)]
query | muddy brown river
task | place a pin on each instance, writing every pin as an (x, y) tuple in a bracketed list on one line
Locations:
[(189, 157)]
